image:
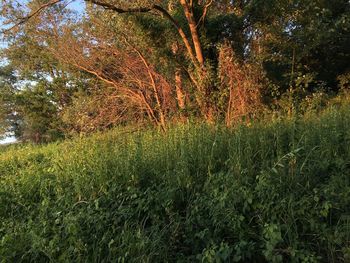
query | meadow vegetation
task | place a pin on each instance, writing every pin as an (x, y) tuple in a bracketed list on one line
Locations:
[(276, 191)]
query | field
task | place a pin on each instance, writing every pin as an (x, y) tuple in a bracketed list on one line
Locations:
[(277, 191)]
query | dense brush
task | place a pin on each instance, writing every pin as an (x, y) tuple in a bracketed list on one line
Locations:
[(277, 192)]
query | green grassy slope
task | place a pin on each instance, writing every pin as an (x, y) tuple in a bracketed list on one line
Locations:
[(272, 192)]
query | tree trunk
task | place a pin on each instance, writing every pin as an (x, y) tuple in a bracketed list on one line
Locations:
[(194, 32), (180, 95)]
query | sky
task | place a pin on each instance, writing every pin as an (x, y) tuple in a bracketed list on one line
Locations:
[(77, 5), (8, 140)]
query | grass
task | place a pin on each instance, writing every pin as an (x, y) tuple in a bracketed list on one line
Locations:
[(272, 192)]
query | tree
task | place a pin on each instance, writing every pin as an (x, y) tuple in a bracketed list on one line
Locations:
[(169, 59), (8, 118), (187, 18), (304, 43), (29, 111), (39, 114)]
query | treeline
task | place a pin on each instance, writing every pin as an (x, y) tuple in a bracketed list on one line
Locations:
[(157, 62)]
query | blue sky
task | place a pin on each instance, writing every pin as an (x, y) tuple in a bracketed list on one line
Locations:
[(77, 5)]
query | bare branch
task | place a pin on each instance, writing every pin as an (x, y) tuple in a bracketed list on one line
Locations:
[(31, 15), (205, 12), (154, 86), (114, 8), (108, 6)]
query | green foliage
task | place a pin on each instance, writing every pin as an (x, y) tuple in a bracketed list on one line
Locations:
[(344, 81), (30, 113), (6, 79), (300, 48), (39, 115), (31, 110), (303, 41), (276, 192)]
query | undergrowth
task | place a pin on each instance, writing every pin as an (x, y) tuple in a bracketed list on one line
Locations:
[(271, 192)]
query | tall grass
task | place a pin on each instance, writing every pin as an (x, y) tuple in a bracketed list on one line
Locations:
[(272, 192)]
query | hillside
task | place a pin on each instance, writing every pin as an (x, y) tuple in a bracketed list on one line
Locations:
[(271, 192)]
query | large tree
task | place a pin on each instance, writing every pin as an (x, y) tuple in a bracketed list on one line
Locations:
[(197, 26), (166, 59)]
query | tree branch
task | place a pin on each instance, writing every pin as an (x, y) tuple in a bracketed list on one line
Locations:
[(188, 10), (120, 10), (23, 20), (114, 8), (149, 9), (205, 11)]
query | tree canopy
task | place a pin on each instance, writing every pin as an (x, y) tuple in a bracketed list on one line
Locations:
[(159, 61)]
